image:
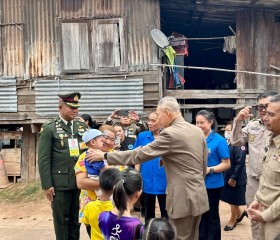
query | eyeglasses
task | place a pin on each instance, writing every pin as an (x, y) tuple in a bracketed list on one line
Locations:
[(261, 107), (108, 138)]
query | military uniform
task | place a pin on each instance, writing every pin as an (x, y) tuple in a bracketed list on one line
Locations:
[(255, 134), (268, 194), (58, 152), (131, 131)]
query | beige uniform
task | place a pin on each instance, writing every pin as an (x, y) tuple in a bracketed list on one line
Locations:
[(269, 190), (255, 134)]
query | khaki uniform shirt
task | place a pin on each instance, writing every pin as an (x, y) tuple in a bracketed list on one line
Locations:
[(268, 193), (255, 133)]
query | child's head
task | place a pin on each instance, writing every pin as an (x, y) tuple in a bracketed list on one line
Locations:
[(158, 229), (109, 178), (93, 138), (128, 189)]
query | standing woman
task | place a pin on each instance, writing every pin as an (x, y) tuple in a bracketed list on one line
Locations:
[(235, 182), (88, 121), (218, 161)]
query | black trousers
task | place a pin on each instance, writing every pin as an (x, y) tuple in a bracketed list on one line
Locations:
[(210, 225), (150, 205), (65, 208)]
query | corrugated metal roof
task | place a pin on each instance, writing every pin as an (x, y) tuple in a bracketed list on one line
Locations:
[(8, 94), (99, 97)]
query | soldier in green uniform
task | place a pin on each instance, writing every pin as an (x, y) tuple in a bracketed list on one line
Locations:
[(59, 148)]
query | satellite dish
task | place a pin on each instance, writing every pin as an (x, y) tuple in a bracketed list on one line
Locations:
[(159, 38)]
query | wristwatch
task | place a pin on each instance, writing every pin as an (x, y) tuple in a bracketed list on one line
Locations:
[(211, 170), (105, 156)]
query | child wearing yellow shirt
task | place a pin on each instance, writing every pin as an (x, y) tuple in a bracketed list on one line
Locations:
[(107, 180)]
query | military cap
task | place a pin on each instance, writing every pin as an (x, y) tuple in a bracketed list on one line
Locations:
[(71, 99)]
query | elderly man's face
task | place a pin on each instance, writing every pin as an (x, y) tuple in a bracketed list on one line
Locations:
[(68, 113), (163, 117), (272, 118)]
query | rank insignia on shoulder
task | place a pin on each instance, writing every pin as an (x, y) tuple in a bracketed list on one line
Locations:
[(42, 129)]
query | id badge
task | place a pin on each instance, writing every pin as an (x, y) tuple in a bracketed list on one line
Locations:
[(73, 147)]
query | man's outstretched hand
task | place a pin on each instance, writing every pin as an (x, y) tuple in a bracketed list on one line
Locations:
[(95, 155)]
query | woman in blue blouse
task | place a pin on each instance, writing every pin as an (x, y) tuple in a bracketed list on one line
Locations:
[(218, 162)]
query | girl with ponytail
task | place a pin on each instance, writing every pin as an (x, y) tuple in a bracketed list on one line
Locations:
[(118, 223)]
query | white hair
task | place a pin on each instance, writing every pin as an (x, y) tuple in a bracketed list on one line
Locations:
[(275, 99), (169, 103)]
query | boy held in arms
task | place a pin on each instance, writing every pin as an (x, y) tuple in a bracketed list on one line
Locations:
[(93, 138), (107, 180)]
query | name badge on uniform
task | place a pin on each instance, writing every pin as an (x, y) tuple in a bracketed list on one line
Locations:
[(73, 147)]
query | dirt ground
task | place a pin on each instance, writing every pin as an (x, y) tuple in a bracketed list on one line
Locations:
[(27, 221)]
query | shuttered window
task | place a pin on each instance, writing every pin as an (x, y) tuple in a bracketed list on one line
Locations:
[(75, 46), (109, 45), (94, 46)]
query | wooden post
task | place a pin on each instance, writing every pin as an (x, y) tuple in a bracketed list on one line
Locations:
[(28, 163)]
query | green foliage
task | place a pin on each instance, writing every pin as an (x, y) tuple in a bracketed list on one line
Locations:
[(22, 192)]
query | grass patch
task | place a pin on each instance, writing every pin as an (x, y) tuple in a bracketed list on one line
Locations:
[(22, 192)]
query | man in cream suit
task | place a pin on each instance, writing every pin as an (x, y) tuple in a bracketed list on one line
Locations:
[(183, 150)]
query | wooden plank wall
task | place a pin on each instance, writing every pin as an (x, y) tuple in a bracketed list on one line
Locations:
[(258, 46)]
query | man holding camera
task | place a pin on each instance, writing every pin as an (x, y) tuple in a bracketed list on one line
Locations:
[(130, 121), (255, 134)]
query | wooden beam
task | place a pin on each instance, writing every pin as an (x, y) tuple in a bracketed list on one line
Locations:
[(12, 116), (213, 94), (194, 106)]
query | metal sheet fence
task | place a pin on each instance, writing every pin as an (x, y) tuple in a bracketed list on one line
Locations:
[(99, 97)]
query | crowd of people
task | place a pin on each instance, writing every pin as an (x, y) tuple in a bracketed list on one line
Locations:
[(95, 174)]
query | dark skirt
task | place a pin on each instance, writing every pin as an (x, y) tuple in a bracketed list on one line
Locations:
[(234, 195)]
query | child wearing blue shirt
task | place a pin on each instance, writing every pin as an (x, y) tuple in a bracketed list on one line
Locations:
[(93, 138)]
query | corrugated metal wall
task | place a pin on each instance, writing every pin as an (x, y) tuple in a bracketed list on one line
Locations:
[(74, 9), (99, 96), (41, 55), (32, 48), (8, 94), (12, 37), (142, 17)]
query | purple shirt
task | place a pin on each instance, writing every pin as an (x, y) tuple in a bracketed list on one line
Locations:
[(114, 228)]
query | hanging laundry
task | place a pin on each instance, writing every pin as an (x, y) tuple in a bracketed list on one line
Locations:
[(230, 44)]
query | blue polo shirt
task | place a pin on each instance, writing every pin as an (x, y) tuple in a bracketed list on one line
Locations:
[(154, 176), (217, 150)]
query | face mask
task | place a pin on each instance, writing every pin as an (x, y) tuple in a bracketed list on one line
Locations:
[(227, 135)]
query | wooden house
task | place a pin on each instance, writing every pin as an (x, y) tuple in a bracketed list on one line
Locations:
[(103, 48)]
